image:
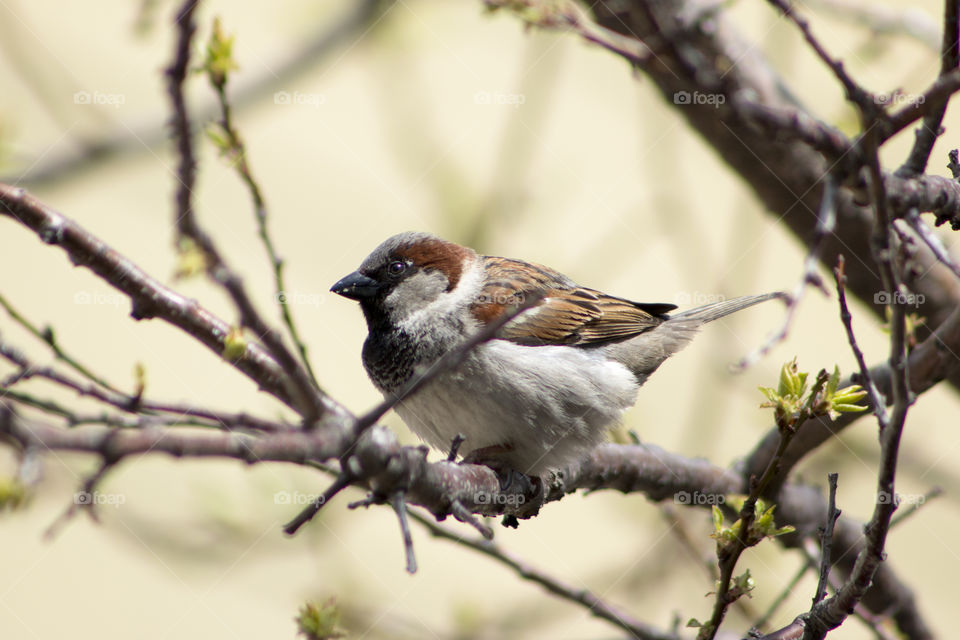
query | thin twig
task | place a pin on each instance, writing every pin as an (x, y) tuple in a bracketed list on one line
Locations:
[(931, 240), (812, 553), (400, 508), (930, 130), (305, 395), (942, 89), (855, 93), (885, 21), (678, 528), (238, 150), (49, 338), (152, 412), (830, 613), (47, 169), (826, 539), (341, 482), (826, 223), (82, 499), (75, 419), (570, 16), (877, 401), (148, 297), (729, 555), (583, 597)]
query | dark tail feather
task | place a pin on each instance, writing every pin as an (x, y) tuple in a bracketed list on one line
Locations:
[(717, 310)]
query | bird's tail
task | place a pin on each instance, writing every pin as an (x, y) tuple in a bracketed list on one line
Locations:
[(647, 351), (716, 310)]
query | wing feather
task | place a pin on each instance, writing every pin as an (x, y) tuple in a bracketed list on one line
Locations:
[(568, 314)]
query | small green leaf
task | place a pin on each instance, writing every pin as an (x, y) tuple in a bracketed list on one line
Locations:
[(234, 345), (793, 382), (742, 585), (191, 259), (717, 519), (219, 61), (832, 382), (848, 408), (139, 379), (218, 137), (319, 621), (835, 402), (13, 493)]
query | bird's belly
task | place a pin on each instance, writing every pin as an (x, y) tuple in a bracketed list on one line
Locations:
[(545, 404)]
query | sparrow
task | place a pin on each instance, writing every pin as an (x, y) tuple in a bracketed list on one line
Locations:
[(546, 389)]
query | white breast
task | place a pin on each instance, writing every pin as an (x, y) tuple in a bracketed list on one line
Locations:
[(549, 403)]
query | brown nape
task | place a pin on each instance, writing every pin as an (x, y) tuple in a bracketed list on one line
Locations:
[(438, 254)]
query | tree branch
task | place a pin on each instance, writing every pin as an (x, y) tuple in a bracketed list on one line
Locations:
[(306, 398)]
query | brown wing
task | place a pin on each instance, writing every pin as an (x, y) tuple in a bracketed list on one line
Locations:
[(568, 314)]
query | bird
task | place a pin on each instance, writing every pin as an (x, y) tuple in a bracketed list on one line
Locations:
[(546, 389)]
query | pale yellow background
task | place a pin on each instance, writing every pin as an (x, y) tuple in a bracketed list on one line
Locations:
[(592, 174)]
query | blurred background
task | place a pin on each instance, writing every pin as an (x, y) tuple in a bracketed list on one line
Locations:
[(367, 119)]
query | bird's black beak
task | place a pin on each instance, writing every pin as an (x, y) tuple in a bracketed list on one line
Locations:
[(356, 286)]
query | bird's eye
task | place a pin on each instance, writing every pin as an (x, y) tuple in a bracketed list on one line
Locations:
[(396, 267)]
